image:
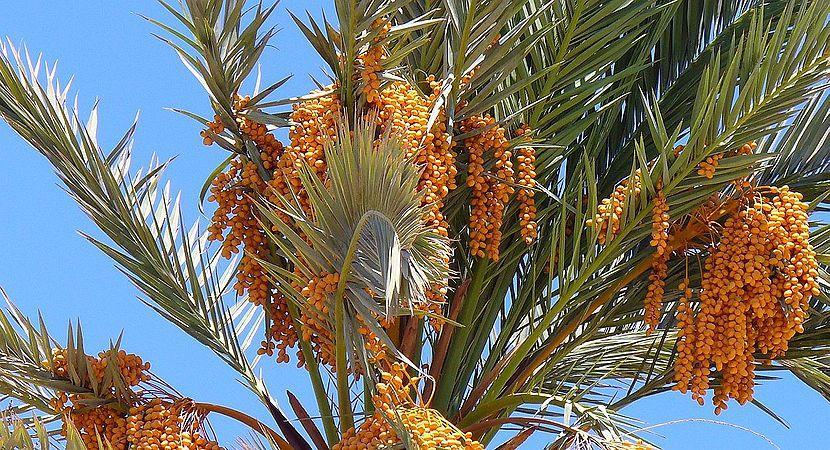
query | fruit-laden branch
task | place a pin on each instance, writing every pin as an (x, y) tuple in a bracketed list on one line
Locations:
[(694, 229)]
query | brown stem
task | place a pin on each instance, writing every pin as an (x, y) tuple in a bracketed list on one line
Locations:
[(394, 332), (410, 337), (440, 351), (483, 384), (518, 439), (251, 422)]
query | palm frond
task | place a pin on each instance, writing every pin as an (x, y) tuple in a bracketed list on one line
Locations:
[(16, 433), (704, 29), (169, 264), (24, 351), (802, 151), (759, 90), (220, 45), (359, 25), (367, 212)]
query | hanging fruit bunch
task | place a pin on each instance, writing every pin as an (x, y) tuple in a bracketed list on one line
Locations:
[(406, 112), (108, 406), (398, 413), (493, 185), (659, 265), (491, 189), (425, 427), (372, 61), (400, 109), (314, 123), (315, 329), (756, 283), (610, 211), (526, 179), (754, 296), (236, 224)]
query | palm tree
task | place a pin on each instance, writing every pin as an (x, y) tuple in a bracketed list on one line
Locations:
[(495, 215)]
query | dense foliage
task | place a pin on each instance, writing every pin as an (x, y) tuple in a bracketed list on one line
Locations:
[(496, 218)]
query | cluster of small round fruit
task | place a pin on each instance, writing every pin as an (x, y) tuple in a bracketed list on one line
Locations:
[(123, 423), (526, 179), (314, 318), (755, 288), (491, 189), (659, 263), (165, 425), (236, 225), (611, 210), (371, 61)]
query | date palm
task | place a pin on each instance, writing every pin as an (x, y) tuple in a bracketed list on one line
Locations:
[(549, 336)]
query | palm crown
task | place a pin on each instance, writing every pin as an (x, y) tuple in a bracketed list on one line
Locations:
[(494, 213)]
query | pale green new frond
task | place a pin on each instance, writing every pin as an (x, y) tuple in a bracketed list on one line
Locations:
[(397, 257), (548, 337), (365, 223)]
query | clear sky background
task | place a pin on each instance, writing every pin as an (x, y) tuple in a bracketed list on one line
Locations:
[(47, 266)]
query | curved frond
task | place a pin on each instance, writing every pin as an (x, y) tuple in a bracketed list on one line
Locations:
[(168, 263)]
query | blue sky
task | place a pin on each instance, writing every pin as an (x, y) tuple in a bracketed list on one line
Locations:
[(47, 266)]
